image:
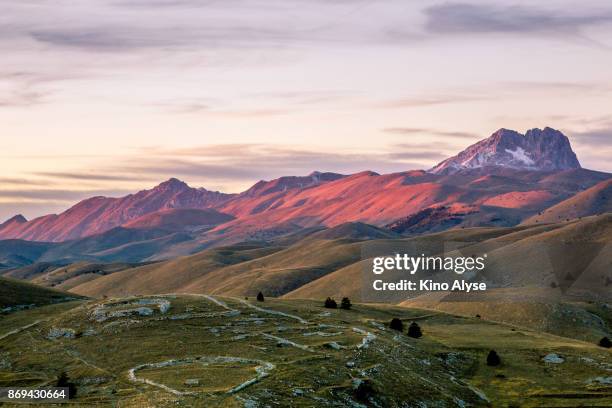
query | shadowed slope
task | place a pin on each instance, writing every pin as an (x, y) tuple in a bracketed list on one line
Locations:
[(595, 200), (16, 292)]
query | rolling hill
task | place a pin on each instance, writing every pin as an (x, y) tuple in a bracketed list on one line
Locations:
[(594, 200), (17, 294)]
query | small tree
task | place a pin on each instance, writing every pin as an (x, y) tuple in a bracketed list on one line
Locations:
[(260, 297), (605, 342), (330, 303), (396, 324), (414, 330), (345, 304), (364, 390), (493, 359), (64, 382)]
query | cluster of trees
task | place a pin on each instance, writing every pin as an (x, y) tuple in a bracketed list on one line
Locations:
[(345, 304), (414, 330)]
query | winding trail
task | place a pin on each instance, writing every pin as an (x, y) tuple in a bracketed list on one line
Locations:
[(20, 329), (219, 303), (287, 341), (273, 312)]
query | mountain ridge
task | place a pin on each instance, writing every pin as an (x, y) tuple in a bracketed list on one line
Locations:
[(500, 181)]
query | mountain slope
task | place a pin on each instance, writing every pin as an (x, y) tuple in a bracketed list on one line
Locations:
[(172, 275), (16, 253), (13, 224), (500, 181), (595, 200), (19, 293), (99, 214), (179, 219), (246, 268)]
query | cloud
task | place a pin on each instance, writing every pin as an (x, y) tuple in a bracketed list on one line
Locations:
[(56, 196), (596, 138), (593, 143), (464, 18), (22, 181), (85, 176), (246, 163), (434, 132), (421, 101)]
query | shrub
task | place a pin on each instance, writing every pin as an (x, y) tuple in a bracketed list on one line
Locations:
[(363, 391), (345, 304), (396, 324), (64, 382), (260, 297), (414, 330), (330, 303), (605, 342), (493, 359)]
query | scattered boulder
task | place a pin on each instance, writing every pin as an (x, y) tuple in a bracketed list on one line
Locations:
[(58, 332), (601, 380), (553, 358), (333, 345), (260, 297)]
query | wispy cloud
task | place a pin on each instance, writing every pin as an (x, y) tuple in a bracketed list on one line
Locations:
[(249, 162), (85, 176), (426, 131), (56, 195), (430, 100), (465, 18)]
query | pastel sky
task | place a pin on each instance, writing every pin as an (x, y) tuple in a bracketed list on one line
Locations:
[(107, 97)]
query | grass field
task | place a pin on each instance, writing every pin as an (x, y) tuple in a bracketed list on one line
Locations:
[(194, 350)]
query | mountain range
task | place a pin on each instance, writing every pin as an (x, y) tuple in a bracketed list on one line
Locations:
[(502, 181)]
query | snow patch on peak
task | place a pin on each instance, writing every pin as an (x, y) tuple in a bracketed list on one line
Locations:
[(537, 150), (519, 154)]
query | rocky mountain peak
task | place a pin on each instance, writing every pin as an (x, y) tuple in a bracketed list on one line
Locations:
[(17, 219), (172, 184), (538, 149)]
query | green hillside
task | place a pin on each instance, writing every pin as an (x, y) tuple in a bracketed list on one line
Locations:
[(20, 293), (180, 351)]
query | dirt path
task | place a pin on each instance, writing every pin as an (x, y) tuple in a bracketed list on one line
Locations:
[(19, 329), (270, 311)]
